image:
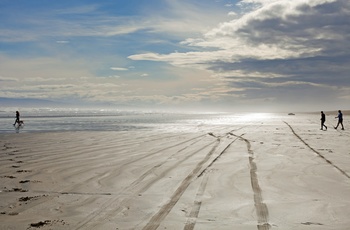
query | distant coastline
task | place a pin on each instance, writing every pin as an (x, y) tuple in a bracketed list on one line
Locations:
[(329, 112)]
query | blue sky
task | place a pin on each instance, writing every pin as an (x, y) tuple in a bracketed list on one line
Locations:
[(249, 55)]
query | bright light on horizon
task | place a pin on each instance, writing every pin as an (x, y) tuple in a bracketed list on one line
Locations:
[(256, 116)]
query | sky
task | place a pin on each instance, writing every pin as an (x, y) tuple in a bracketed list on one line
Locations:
[(212, 55)]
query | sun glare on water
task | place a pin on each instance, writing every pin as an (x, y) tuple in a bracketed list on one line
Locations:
[(256, 116)]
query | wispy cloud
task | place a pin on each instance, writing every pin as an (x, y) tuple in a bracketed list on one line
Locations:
[(62, 42), (119, 69)]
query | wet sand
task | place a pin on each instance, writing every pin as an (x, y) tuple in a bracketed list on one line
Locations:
[(281, 173)]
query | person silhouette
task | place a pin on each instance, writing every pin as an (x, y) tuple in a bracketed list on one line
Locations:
[(323, 119), (340, 120), (17, 118)]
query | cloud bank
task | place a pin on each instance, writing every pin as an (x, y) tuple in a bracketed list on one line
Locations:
[(280, 50)]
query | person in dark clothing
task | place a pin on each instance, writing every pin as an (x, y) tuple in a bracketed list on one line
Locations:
[(340, 120), (17, 119), (323, 120)]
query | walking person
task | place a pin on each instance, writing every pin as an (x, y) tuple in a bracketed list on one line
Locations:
[(340, 120), (17, 118), (323, 120)]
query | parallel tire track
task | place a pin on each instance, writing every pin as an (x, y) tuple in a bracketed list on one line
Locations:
[(191, 220), (222, 152), (156, 220), (318, 153), (135, 187), (138, 186), (261, 208)]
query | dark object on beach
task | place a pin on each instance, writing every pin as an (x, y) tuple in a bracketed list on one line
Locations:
[(17, 119), (340, 120), (291, 114), (40, 223), (323, 120)]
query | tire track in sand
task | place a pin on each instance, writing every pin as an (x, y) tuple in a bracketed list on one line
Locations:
[(262, 211), (318, 153), (137, 187), (156, 220), (192, 219), (222, 152)]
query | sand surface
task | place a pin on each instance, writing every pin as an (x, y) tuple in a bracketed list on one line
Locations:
[(242, 173)]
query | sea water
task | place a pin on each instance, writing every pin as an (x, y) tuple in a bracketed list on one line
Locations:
[(74, 119), (61, 119)]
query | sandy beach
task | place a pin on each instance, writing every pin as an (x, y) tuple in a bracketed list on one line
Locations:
[(255, 172)]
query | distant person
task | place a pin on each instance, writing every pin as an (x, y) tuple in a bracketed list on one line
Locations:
[(340, 120), (323, 120), (17, 119)]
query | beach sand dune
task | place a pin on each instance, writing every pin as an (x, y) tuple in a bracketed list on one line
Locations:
[(280, 173)]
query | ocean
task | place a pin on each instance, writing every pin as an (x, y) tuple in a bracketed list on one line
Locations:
[(77, 119), (61, 119)]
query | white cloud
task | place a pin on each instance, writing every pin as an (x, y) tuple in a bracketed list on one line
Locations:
[(62, 42), (7, 79), (279, 29), (185, 18), (232, 14), (119, 69), (300, 45)]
